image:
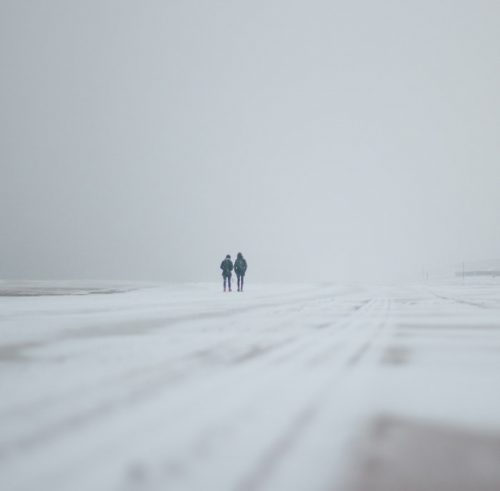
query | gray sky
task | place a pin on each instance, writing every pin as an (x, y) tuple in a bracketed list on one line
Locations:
[(325, 140)]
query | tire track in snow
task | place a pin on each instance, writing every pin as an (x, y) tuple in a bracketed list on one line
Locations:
[(139, 326), (276, 454), (157, 377), (222, 387)]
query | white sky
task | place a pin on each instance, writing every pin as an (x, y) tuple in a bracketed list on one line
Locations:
[(325, 140)]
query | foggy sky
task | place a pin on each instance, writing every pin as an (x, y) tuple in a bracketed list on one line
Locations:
[(326, 140)]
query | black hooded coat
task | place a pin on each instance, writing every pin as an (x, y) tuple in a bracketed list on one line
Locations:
[(227, 267)]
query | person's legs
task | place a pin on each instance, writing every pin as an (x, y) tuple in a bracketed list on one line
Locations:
[(225, 281), (229, 282), (238, 277), (242, 281)]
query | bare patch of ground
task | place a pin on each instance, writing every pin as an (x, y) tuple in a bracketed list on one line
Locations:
[(398, 454), (396, 355)]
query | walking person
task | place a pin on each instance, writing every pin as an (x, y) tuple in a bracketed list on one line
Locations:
[(240, 268), (227, 268)]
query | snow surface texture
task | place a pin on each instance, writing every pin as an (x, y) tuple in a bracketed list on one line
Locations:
[(281, 388)]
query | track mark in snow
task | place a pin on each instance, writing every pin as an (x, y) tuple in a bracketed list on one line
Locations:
[(278, 450), (354, 359), (141, 326), (461, 301)]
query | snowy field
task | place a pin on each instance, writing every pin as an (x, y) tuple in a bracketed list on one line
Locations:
[(281, 388)]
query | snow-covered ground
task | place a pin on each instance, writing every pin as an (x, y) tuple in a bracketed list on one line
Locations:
[(281, 388)]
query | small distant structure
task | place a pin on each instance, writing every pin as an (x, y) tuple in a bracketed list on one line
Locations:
[(490, 269), (479, 272)]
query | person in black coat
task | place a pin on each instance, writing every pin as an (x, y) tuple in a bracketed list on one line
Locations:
[(227, 268), (240, 268)]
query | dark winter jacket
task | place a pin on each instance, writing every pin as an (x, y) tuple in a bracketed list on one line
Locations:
[(240, 266), (227, 267)]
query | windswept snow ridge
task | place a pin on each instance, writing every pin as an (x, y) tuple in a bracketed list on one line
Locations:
[(282, 388)]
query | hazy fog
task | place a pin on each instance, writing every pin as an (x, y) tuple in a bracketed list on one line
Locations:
[(325, 140)]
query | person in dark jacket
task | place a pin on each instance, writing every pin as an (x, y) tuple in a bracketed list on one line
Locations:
[(227, 268), (240, 268)]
